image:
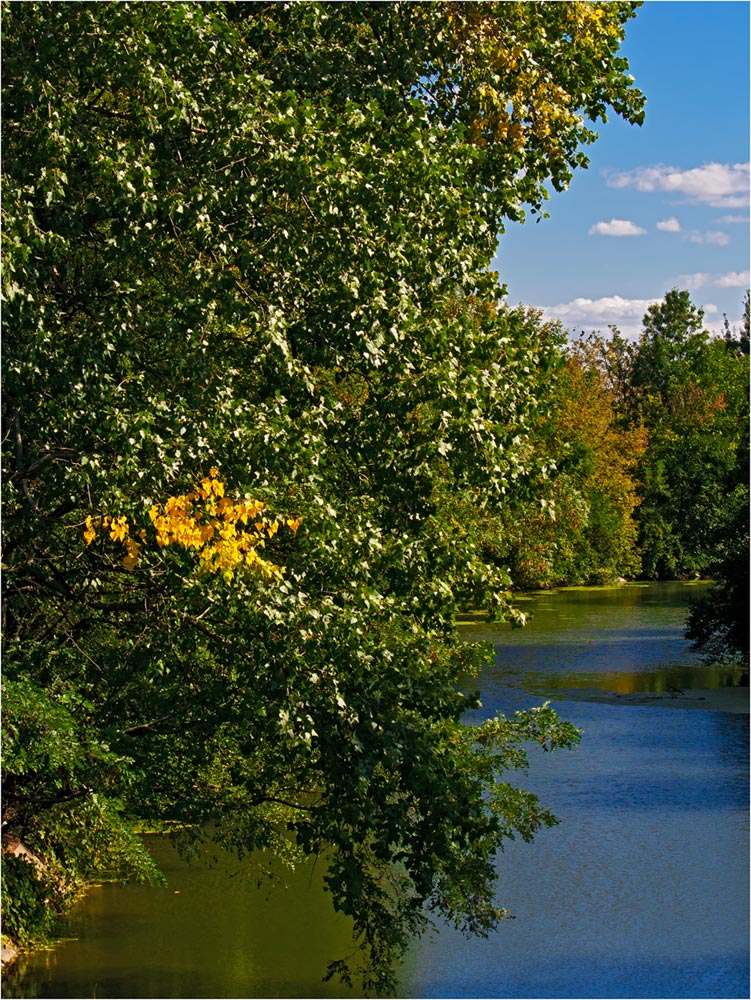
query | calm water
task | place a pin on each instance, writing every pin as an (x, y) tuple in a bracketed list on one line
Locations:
[(641, 891)]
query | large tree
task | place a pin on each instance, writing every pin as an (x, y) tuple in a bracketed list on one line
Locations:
[(690, 391), (251, 342), (718, 622)]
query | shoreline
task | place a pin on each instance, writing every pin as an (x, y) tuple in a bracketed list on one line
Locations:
[(10, 952)]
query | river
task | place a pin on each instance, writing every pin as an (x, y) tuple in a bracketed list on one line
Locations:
[(641, 891)]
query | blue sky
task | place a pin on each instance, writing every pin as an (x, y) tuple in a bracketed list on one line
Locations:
[(661, 206)]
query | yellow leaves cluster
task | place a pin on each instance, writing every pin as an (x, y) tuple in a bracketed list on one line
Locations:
[(226, 534), (119, 531), (509, 93)]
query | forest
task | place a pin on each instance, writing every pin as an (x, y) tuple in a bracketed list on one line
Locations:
[(270, 424)]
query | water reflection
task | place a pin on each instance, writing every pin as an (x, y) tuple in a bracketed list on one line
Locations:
[(212, 932), (622, 640)]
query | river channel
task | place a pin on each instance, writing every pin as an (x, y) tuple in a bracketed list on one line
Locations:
[(640, 892)]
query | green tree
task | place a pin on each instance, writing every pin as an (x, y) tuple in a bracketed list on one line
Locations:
[(256, 239), (576, 525), (603, 459), (690, 393), (718, 623)]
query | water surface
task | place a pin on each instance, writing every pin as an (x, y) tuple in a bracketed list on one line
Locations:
[(641, 891)]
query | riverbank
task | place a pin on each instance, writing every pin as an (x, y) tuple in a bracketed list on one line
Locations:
[(9, 952)]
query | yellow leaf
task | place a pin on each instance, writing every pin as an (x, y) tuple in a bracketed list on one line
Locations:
[(89, 534)]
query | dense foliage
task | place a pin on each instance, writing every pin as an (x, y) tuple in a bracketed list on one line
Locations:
[(577, 524), (255, 239), (718, 624), (691, 392), (643, 453)]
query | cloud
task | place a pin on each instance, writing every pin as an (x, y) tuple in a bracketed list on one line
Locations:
[(721, 185), (694, 281), (731, 219), (734, 279), (616, 227), (731, 279), (713, 237), (671, 225), (585, 314), (594, 314)]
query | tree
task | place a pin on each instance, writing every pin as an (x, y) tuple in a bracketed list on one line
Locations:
[(576, 526), (256, 239), (690, 393), (603, 461), (718, 622)]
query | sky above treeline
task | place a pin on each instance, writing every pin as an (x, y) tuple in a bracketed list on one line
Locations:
[(664, 205)]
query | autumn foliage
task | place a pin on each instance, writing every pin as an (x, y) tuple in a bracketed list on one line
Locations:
[(225, 534)]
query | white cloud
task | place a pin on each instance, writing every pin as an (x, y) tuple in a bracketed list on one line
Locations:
[(616, 227), (694, 281), (721, 185), (598, 314), (713, 237), (585, 314), (731, 219), (734, 279), (671, 225)]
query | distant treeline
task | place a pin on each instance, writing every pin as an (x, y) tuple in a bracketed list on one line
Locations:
[(642, 455)]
